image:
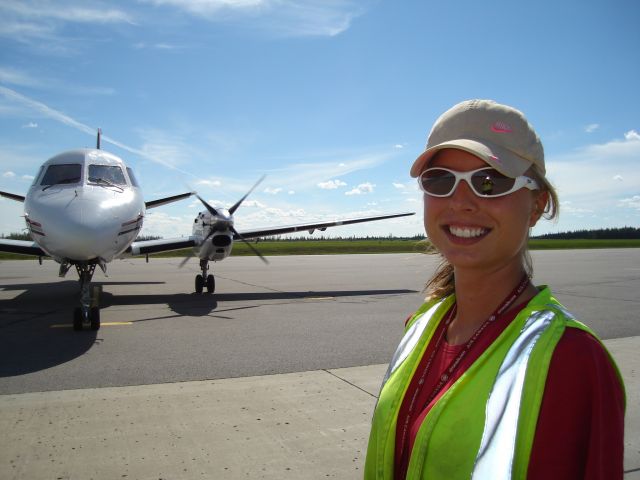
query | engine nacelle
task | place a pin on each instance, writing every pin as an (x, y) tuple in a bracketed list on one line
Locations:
[(214, 246)]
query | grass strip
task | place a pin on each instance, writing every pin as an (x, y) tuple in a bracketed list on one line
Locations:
[(337, 247)]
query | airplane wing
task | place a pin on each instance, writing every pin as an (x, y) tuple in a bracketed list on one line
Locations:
[(23, 247), (265, 232), (145, 247), (149, 204), (164, 201), (12, 196)]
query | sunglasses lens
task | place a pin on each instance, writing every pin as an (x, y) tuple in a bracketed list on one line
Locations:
[(438, 182), (489, 183)]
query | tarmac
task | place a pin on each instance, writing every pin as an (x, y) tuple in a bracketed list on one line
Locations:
[(307, 425), (67, 411)]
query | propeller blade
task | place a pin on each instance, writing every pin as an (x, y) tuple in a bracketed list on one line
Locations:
[(248, 244), (239, 202), (185, 260), (212, 210)]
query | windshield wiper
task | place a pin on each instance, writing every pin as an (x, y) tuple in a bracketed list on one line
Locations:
[(63, 181), (105, 182)]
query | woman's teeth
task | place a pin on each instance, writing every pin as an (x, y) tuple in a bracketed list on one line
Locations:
[(466, 232)]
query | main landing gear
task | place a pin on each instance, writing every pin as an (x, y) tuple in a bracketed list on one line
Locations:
[(88, 313), (204, 280)]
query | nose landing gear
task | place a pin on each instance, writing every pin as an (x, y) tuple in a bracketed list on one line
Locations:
[(88, 313), (204, 280)]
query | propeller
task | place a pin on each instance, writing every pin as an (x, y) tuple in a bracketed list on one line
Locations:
[(239, 202), (215, 213)]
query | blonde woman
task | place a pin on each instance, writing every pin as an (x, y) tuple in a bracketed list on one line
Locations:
[(493, 379)]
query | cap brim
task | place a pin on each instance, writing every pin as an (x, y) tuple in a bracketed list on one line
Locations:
[(497, 157)]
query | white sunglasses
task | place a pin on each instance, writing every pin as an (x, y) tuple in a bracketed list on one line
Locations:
[(485, 182)]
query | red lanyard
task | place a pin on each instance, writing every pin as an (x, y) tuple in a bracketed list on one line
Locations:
[(448, 373)]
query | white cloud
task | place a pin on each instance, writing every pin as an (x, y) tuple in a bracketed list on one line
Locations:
[(30, 125), (303, 175), (13, 76), (362, 189), (279, 17), (45, 11), (253, 204), (209, 183), (593, 165), (633, 202), (591, 182), (592, 127), (272, 191), (399, 186), (569, 208), (332, 184), (40, 24), (156, 46), (632, 136), (8, 174), (160, 223)]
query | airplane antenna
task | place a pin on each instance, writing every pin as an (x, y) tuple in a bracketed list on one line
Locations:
[(98, 139)]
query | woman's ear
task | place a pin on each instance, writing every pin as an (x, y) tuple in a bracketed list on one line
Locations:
[(539, 205)]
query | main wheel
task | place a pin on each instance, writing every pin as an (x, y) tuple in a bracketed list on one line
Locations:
[(77, 318), (199, 283), (94, 316), (211, 284)]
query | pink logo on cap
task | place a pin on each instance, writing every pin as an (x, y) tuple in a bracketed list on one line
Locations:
[(496, 159), (501, 127)]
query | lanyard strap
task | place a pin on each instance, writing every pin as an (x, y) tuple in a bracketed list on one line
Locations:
[(449, 371)]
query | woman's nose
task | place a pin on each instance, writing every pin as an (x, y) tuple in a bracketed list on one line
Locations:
[(463, 196)]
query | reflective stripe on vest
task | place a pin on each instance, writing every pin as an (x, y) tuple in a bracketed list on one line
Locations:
[(497, 448), (409, 341)]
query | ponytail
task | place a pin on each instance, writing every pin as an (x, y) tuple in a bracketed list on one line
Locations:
[(442, 283)]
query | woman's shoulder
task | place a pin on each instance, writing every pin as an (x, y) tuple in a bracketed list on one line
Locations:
[(578, 345), (582, 356)]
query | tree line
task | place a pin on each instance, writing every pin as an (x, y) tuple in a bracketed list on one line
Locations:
[(624, 233)]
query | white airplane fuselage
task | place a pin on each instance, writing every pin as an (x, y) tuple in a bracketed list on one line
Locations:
[(84, 206)]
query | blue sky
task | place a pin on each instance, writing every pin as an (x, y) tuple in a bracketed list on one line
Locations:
[(332, 99)]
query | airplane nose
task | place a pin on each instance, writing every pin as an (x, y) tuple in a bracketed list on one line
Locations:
[(77, 230)]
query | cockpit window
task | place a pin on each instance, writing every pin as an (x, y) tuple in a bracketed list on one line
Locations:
[(65, 173), (106, 174), (132, 177), (36, 179)]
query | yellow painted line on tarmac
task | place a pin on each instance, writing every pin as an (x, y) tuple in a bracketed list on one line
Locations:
[(102, 324)]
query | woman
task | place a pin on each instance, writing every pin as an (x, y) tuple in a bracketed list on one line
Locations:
[(493, 378)]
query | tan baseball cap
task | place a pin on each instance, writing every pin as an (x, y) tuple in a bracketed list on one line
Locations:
[(498, 134)]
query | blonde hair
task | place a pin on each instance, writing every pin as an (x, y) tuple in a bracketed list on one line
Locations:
[(442, 282)]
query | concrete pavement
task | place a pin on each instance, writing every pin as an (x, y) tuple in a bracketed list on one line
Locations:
[(308, 425)]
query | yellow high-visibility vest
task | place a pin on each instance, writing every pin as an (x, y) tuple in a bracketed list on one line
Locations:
[(483, 426)]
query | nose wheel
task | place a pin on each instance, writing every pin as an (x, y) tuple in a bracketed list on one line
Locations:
[(88, 313), (92, 319), (205, 280)]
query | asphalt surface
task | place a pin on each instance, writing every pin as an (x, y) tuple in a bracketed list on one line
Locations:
[(274, 375)]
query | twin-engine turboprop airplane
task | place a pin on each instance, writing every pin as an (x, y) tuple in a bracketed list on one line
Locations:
[(213, 234), (85, 208)]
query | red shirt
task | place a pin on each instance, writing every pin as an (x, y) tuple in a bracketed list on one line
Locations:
[(580, 431)]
